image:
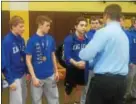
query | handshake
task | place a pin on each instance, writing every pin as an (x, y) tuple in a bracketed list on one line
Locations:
[(80, 64)]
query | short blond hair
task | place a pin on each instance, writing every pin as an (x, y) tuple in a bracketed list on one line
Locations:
[(15, 20), (41, 19)]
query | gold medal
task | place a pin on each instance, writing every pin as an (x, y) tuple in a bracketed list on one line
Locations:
[(44, 58)]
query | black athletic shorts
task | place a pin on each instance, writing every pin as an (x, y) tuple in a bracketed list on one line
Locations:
[(75, 76)]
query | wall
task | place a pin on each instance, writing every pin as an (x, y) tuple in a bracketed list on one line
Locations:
[(23, 8), (20, 9), (128, 7), (79, 6)]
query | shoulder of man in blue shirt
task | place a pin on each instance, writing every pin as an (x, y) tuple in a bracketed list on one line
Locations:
[(101, 31)]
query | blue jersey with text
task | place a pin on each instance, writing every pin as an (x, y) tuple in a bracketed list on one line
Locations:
[(14, 59), (41, 49), (72, 47)]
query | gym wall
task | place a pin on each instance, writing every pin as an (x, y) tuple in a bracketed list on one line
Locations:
[(63, 14)]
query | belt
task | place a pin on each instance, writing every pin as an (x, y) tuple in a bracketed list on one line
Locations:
[(110, 74)]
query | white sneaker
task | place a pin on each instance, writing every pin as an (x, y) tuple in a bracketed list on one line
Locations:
[(5, 84)]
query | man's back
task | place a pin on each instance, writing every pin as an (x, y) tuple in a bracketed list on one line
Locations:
[(111, 47), (115, 55)]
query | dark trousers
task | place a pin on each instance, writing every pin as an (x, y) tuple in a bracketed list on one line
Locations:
[(106, 89)]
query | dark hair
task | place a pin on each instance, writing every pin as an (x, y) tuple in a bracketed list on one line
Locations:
[(15, 20), (41, 19), (113, 11), (80, 19)]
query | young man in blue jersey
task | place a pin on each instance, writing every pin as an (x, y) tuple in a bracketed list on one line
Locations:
[(111, 67), (15, 68), (75, 66), (95, 25), (41, 62), (131, 85)]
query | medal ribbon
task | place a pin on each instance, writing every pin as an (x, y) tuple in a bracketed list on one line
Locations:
[(44, 47)]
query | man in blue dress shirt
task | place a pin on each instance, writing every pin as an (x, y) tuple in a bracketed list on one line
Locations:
[(111, 47)]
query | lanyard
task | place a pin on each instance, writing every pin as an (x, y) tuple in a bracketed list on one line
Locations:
[(44, 45)]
